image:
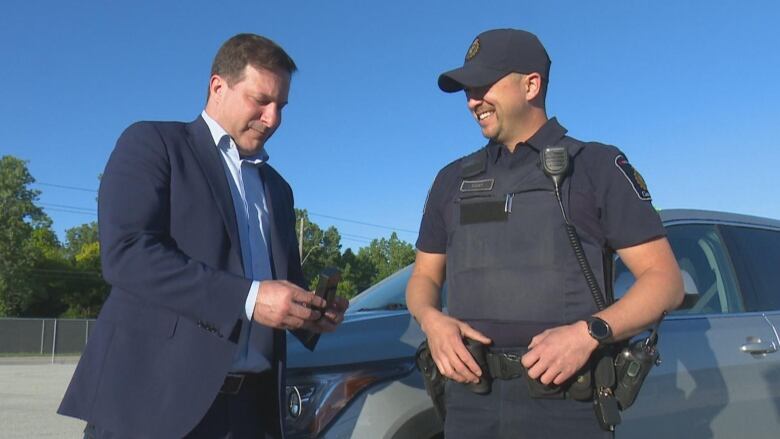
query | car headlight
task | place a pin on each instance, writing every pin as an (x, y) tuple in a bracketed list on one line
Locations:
[(315, 396)]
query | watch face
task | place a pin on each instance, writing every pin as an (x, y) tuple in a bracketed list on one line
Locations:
[(599, 329)]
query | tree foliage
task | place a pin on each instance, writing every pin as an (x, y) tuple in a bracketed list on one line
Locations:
[(42, 277), (39, 277), (381, 258), (19, 220)]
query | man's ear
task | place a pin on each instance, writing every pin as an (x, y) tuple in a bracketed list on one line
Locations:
[(533, 86), (216, 86)]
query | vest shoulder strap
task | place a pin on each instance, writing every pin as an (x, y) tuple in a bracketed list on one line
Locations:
[(474, 163)]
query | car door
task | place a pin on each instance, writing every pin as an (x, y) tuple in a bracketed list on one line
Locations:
[(713, 381)]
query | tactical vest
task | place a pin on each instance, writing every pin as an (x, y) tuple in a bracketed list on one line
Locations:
[(511, 270)]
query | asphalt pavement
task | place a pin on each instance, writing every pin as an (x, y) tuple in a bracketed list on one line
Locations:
[(30, 392)]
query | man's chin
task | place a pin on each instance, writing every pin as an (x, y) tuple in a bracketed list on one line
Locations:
[(254, 148)]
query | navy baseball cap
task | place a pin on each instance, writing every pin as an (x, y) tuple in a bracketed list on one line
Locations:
[(493, 55)]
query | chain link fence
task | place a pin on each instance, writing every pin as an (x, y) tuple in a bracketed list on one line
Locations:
[(44, 337)]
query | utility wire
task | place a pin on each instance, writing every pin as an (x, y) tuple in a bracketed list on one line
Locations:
[(62, 186), (346, 220), (65, 206)]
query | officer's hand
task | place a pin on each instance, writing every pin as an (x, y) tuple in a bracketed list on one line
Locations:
[(284, 305), (332, 316), (558, 353), (445, 339)]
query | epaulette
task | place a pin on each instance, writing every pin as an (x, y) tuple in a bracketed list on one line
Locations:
[(474, 163)]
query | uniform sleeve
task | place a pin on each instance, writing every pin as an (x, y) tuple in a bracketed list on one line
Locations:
[(627, 213), (433, 227)]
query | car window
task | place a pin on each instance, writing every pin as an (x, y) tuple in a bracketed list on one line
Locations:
[(388, 294), (756, 256), (708, 279)]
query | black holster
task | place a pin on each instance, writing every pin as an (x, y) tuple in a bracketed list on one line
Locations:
[(434, 380)]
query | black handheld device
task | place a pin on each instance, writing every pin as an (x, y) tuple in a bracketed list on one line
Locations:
[(479, 352), (326, 288), (328, 284), (632, 366)]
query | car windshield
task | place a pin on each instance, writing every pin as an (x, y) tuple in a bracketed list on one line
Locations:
[(390, 293)]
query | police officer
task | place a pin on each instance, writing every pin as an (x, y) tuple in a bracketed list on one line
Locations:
[(493, 224)]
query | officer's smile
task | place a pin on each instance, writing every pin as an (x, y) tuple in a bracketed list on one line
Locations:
[(484, 115)]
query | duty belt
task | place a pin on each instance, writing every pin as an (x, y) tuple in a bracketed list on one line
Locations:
[(504, 365)]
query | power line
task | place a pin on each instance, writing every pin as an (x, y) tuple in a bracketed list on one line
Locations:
[(62, 186), (70, 211), (379, 226), (65, 206), (346, 220)]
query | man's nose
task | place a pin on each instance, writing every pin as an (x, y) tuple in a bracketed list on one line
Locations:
[(473, 101), (272, 116)]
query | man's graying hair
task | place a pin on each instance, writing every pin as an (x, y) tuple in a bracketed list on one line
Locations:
[(249, 49)]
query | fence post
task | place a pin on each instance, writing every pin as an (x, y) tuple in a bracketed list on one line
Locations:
[(43, 332), (54, 341)]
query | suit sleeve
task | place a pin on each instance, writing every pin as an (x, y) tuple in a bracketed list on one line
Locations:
[(137, 251)]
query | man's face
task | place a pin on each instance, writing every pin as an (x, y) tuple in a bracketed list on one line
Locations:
[(500, 108), (251, 109)]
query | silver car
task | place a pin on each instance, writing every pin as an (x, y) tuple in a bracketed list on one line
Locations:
[(720, 370)]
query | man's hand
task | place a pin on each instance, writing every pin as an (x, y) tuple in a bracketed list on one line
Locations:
[(445, 339), (332, 317), (284, 305), (558, 353)]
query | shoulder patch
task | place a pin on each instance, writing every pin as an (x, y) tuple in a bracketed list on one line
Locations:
[(633, 177)]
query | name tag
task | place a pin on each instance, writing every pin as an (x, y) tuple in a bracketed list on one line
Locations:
[(477, 185)]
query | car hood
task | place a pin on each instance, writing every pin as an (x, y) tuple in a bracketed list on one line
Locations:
[(364, 336)]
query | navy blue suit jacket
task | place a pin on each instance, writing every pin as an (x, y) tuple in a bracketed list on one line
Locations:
[(167, 333)]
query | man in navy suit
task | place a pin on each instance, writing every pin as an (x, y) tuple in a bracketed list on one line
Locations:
[(198, 241)]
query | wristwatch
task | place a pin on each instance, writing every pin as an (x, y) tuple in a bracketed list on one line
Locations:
[(598, 329)]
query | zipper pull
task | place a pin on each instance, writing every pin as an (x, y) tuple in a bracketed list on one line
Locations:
[(508, 203)]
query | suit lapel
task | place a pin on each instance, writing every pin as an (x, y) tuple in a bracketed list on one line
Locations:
[(274, 196), (207, 156)]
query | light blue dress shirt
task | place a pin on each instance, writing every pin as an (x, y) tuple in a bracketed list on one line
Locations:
[(253, 220)]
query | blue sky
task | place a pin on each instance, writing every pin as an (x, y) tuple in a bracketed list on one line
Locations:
[(689, 90)]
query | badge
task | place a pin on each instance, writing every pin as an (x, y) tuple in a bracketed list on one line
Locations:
[(633, 177), (477, 185), (473, 49)]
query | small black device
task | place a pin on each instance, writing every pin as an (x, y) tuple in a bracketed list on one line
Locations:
[(327, 284), (433, 379), (632, 366), (599, 329), (555, 163), (605, 404), (479, 352)]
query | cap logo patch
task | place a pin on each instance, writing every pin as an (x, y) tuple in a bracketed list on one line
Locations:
[(633, 177), (473, 50)]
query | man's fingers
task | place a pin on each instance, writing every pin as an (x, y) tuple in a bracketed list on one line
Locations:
[(308, 298), (473, 334), (303, 312)]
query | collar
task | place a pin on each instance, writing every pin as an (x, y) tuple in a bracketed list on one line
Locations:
[(226, 143), (548, 134)]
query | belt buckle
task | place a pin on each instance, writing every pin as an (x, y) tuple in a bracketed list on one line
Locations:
[(511, 357), (232, 384), (516, 370)]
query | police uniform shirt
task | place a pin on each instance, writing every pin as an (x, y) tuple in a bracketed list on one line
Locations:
[(608, 201)]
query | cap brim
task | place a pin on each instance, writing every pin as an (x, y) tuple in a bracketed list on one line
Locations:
[(469, 76)]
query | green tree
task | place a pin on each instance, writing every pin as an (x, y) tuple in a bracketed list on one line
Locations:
[(357, 274), (20, 218), (321, 248), (79, 236), (88, 290), (387, 256)]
